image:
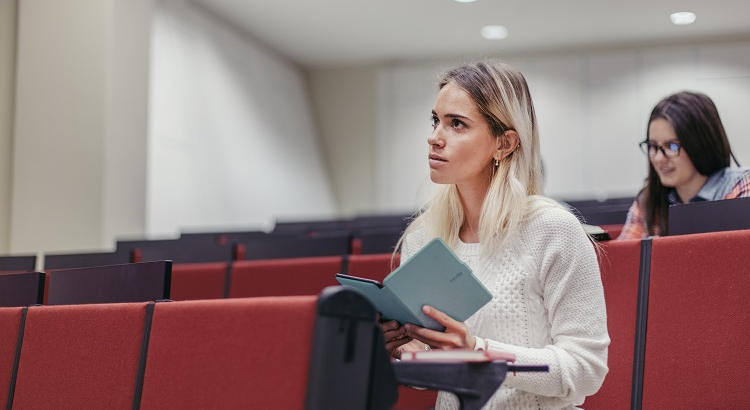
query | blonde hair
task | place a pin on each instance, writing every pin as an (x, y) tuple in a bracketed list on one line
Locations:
[(502, 96)]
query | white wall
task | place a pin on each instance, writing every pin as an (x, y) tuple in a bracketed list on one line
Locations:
[(344, 101), (79, 123), (232, 140), (592, 109), (8, 11), (124, 178)]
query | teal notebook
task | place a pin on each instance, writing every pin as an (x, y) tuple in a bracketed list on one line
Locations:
[(433, 276)]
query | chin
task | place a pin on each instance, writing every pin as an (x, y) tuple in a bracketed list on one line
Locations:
[(436, 178), (667, 182)]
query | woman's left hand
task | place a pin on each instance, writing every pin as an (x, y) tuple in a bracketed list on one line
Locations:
[(455, 336)]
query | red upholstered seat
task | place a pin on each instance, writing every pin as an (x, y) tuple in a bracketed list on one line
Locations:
[(697, 346), (375, 266), (619, 264), (198, 280), (414, 399), (229, 354), (10, 319), (613, 230), (80, 357), (284, 277)]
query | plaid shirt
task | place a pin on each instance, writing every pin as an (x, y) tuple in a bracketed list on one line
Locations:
[(728, 183)]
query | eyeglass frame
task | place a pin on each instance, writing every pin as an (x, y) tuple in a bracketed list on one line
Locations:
[(668, 152)]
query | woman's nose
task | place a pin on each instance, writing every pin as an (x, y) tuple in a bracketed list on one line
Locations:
[(435, 140), (659, 156)]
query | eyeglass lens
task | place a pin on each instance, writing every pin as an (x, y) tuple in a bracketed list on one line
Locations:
[(669, 149)]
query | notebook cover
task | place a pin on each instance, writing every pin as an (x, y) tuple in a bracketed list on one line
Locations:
[(389, 306), (433, 276)]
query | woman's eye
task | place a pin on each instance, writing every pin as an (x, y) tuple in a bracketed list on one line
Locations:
[(434, 120), (673, 146), (455, 123)]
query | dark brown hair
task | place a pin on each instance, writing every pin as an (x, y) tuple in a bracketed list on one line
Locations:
[(696, 122)]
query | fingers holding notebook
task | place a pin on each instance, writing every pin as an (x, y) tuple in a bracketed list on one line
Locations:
[(394, 335), (455, 336)]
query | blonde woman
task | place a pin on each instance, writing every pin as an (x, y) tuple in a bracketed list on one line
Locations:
[(533, 255)]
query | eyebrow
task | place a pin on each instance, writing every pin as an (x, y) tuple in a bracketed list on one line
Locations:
[(666, 142), (453, 116)]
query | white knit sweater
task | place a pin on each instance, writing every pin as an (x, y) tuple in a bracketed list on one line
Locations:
[(547, 308)]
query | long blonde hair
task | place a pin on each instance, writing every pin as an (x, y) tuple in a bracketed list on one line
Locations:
[(502, 96)]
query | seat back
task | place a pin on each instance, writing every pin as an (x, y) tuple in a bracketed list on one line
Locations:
[(17, 263), (595, 212), (284, 277), (80, 357), (132, 282), (221, 238), (132, 247), (180, 251), (619, 264), (282, 246), (192, 281), (257, 353), (697, 349), (21, 289), (10, 321), (241, 353), (310, 227), (375, 266), (84, 260), (396, 221), (381, 240)]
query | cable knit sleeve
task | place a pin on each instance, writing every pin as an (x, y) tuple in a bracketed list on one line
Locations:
[(573, 298)]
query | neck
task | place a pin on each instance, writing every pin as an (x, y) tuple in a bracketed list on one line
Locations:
[(472, 197), (691, 188)]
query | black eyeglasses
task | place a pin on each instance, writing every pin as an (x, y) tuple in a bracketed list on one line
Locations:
[(670, 149)]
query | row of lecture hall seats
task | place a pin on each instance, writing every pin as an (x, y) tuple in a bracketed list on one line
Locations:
[(678, 316), (301, 352), (361, 235), (677, 311)]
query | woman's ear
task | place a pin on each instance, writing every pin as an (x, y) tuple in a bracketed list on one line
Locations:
[(506, 144)]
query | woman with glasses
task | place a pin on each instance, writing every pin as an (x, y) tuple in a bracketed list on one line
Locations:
[(689, 161), (532, 254)]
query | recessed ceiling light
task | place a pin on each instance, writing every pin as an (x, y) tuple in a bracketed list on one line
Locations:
[(494, 32), (465, 1), (682, 18)]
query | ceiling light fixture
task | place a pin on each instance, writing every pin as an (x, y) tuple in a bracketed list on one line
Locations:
[(682, 18), (494, 32), (465, 1)]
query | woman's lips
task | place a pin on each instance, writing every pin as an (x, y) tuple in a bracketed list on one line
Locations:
[(666, 171), (436, 161)]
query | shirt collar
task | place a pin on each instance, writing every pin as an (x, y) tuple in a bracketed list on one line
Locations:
[(707, 192)]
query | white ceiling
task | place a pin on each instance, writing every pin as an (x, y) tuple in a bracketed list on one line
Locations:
[(336, 32)]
